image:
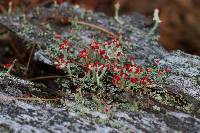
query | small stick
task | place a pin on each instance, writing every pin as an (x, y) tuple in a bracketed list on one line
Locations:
[(29, 60), (65, 20), (27, 99), (79, 64), (95, 26), (47, 77), (12, 44)]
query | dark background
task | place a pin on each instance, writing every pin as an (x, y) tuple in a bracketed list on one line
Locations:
[(181, 18)]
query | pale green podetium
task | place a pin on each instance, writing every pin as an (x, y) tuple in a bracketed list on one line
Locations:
[(11, 67), (117, 8), (10, 7), (157, 20)]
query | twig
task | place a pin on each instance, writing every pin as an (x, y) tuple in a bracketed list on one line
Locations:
[(79, 64), (94, 26), (65, 20), (12, 44), (27, 99), (29, 59), (47, 77)]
